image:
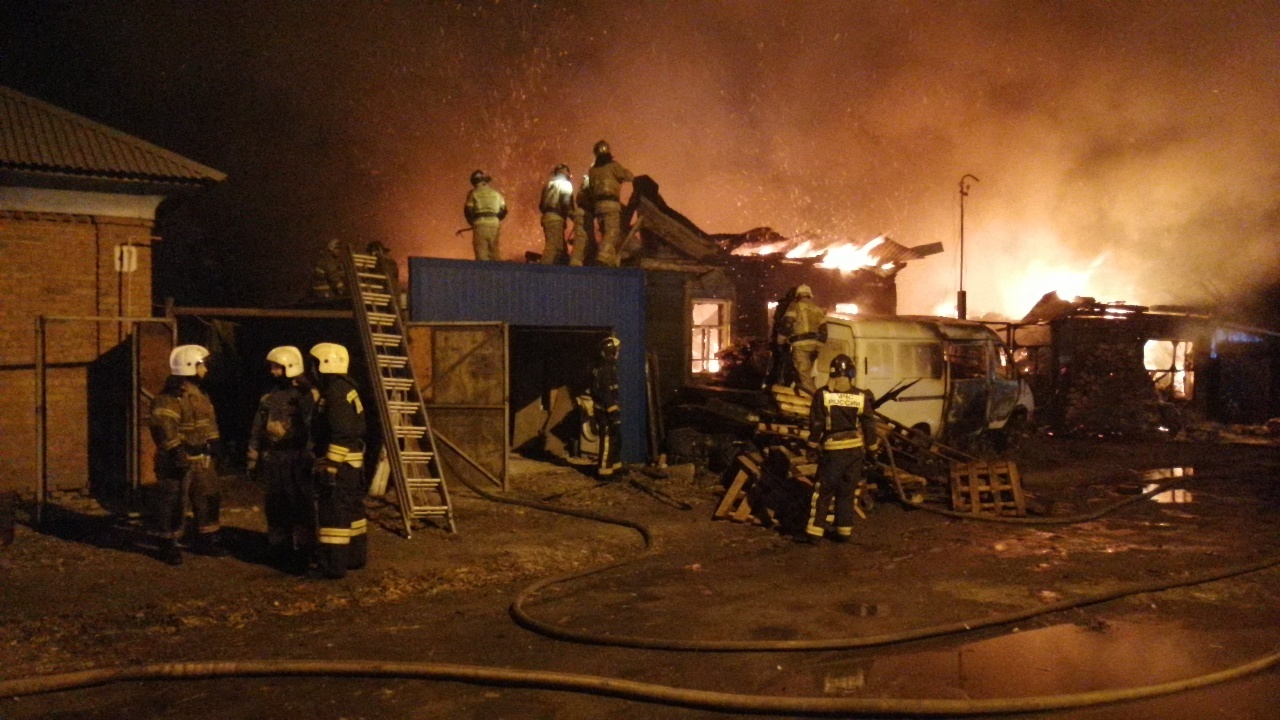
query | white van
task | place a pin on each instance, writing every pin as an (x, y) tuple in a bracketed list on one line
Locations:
[(964, 378)]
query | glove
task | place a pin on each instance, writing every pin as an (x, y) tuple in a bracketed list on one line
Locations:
[(251, 460)]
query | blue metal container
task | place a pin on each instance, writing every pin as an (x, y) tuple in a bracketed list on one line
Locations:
[(553, 296)]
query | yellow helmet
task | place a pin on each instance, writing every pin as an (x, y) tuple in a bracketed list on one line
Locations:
[(804, 291)]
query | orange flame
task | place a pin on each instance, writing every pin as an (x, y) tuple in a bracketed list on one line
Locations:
[(843, 256)]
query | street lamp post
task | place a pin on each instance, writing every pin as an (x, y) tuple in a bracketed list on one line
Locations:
[(962, 299)]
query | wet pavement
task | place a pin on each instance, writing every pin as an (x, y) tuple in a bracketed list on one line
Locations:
[(717, 580)]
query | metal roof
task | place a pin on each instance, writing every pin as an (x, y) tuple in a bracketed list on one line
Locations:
[(40, 138)]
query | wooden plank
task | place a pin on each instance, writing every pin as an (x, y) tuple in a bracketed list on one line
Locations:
[(735, 488)]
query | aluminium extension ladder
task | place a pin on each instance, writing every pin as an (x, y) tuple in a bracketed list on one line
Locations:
[(406, 432)]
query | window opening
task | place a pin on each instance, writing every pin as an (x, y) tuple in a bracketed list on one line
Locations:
[(710, 334)]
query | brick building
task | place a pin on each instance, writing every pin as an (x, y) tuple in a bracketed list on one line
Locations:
[(78, 204)]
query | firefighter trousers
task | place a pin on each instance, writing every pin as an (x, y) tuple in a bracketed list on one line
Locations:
[(609, 430), (197, 484), (484, 238), (839, 472), (290, 501), (553, 239), (343, 540)]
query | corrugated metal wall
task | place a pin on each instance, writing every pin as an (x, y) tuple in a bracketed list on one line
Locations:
[(545, 296)]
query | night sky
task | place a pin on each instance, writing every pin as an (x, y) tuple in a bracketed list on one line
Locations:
[(1125, 150)]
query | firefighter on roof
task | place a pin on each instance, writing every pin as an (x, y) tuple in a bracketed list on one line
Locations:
[(584, 231), (185, 429), (338, 431), (328, 278), (604, 182), (485, 208), (842, 423), (280, 454), (801, 324), (556, 206)]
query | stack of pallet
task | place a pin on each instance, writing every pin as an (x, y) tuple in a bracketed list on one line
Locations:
[(791, 401), (773, 488)]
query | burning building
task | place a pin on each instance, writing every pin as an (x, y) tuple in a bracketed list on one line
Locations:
[(1117, 369), (707, 292)]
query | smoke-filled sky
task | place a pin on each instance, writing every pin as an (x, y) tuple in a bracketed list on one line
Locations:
[(1125, 150)]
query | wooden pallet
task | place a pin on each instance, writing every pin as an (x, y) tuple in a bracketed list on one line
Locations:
[(987, 488), (783, 477)]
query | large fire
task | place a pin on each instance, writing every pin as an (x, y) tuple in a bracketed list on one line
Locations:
[(843, 256)]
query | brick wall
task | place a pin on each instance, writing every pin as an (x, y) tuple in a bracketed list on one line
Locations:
[(53, 264)]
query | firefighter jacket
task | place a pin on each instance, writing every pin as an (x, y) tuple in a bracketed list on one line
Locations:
[(557, 197), (484, 202), (183, 425), (604, 182), (339, 426), (328, 279), (283, 420), (604, 388), (842, 419), (801, 322)]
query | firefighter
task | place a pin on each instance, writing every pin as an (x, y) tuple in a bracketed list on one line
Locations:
[(280, 454), (604, 181), (338, 432), (584, 231), (780, 370), (605, 397), (185, 429), (842, 423), (329, 280), (485, 208), (801, 324), (556, 206)]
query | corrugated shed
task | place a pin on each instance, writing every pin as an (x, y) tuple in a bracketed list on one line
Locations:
[(39, 137), (546, 296)]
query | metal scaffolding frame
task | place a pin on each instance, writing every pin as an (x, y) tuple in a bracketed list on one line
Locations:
[(41, 399)]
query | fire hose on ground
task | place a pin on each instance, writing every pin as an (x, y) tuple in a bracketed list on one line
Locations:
[(686, 697)]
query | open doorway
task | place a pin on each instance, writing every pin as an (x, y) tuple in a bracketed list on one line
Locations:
[(550, 367)]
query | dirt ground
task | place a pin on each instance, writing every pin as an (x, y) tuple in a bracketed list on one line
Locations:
[(85, 591)]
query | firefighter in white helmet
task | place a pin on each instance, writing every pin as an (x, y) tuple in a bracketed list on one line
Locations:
[(338, 432), (280, 455), (604, 183), (556, 206), (801, 325), (484, 210), (185, 429), (842, 423)]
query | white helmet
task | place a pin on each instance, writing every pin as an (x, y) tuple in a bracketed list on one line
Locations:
[(287, 357), (804, 291), (333, 358), (184, 359)]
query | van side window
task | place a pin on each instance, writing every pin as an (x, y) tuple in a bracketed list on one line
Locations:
[(1004, 364), (920, 360), (968, 360), (879, 360)]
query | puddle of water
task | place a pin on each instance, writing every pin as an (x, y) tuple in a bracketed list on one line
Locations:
[(1053, 660), (1175, 495)]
